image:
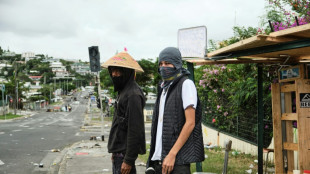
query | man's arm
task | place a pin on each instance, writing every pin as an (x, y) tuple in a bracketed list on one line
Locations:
[(187, 129)]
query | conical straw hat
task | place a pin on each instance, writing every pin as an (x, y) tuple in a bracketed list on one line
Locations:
[(123, 59)]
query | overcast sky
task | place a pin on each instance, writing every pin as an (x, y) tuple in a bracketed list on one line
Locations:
[(66, 28)]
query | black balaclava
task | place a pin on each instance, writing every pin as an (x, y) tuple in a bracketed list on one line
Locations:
[(173, 56), (126, 76)]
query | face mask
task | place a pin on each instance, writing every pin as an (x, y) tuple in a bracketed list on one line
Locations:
[(118, 83), (167, 72)]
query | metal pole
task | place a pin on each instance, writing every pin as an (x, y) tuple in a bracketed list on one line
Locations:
[(101, 113), (17, 96), (190, 67), (260, 117), (15, 88), (3, 99)]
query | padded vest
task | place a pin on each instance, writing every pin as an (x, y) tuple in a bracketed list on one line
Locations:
[(174, 119)]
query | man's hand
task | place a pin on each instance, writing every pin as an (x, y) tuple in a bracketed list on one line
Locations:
[(125, 168), (168, 164)]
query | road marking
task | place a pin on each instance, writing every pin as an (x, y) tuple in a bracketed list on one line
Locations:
[(16, 130), (1, 163)]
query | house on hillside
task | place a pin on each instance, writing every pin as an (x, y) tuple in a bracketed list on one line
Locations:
[(8, 53), (58, 69), (81, 68), (28, 56)]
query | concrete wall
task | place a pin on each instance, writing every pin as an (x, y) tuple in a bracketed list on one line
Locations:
[(217, 138)]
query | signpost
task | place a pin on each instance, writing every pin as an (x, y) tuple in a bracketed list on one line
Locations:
[(192, 42)]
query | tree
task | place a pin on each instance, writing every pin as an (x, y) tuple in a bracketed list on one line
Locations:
[(145, 79)]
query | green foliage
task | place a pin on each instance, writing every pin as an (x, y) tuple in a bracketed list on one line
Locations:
[(145, 79), (229, 94)]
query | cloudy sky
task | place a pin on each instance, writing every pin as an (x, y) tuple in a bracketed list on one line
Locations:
[(66, 28)]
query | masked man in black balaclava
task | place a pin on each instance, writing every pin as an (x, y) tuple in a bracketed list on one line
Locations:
[(176, 135), (127, 135)]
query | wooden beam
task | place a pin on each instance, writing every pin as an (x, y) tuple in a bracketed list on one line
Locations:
[(290, 146), (295, 31), (231, 61), (288, 88), (289, 116), (289, 128)]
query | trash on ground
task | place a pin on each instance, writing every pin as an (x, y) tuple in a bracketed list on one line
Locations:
[(255, 161), (105, 170), (210, 146), (93, 138), (81, 153), (206, 156), (98, 145), (41, 165), (249, 171), (251, 166), (141, 164), (55, 150)]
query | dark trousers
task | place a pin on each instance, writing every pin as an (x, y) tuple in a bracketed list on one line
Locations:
[(117, 164), (177, 169)]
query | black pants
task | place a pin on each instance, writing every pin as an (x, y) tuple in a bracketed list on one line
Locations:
[(117, 164), (177, 169)]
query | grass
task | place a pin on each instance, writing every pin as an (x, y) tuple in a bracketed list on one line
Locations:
[(214, 161), (9, 116)]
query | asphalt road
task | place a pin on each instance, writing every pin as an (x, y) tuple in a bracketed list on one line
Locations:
[(25, 142)]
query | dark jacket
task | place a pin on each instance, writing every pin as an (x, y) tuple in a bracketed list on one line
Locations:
[(127, 133), (174, 120)]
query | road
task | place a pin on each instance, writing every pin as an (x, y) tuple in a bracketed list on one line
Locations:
[(25, 142)]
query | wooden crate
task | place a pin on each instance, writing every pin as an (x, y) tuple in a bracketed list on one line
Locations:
[(301, 89)]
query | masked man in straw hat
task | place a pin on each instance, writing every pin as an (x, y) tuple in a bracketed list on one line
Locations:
[(127, 135), (176, 134)]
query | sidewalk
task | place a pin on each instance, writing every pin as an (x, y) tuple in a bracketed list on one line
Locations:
[(90, 156)]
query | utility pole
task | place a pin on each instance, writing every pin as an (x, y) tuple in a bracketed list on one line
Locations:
[(101, 113)]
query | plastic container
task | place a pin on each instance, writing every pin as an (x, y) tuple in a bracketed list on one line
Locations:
[(306, 171)]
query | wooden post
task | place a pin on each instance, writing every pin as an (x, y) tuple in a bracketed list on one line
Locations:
[(303, 122), (277, 127)]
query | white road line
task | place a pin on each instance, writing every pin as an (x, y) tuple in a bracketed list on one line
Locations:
[(18, 130)]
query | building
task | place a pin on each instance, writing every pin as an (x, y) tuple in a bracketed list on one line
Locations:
[(28, 56), (58, 69), (81, 68), (8, 53)]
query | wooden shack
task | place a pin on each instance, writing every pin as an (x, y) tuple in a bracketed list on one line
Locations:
[(289, 48)]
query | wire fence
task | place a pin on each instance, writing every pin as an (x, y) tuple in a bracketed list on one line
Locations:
[(244, 126)]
